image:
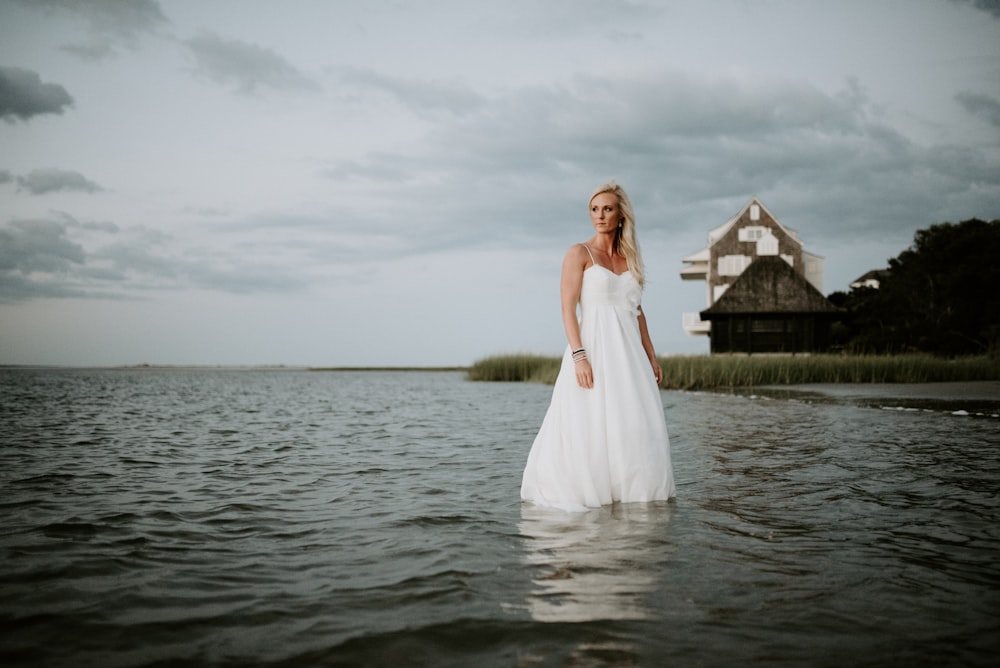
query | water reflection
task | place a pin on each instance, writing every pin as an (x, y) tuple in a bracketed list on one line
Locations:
[(597, 565)]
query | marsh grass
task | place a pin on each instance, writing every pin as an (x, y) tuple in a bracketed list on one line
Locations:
[(516, 368), (705, 372)]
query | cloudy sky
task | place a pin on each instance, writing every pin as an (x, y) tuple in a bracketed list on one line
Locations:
[(387, 182)]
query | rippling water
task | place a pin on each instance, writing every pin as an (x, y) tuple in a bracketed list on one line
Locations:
[(244, 517)]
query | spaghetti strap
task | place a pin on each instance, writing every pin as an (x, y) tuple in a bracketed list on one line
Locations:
[(589, 253)]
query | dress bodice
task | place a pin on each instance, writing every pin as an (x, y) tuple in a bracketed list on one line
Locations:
[(603, 287)]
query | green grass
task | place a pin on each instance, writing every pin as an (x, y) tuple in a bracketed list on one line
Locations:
[(516, 368), (702, 372), (388, 368)]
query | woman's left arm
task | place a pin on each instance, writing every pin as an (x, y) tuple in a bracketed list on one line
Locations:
[(647, 345)]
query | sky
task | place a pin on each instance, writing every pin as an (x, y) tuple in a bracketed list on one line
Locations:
[(393, 183)]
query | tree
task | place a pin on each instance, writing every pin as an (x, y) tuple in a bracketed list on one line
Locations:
[(942, 295)]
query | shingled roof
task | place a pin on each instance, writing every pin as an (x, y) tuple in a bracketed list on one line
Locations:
[(770, 285)]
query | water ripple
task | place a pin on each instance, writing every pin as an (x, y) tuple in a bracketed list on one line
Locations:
[(156, 517)]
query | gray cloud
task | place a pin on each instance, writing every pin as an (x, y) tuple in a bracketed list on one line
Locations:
[(692, 153), (18, 288), (24, 95), (38, 260), (42, 181), (984, 106), (557, 19), (990, 6), (420, 96), (37, 246), (110, 17), (5, 176), (60, 256), (149, 259), (94, 50), (65, 219), (378, 167), (245, 66), (222, 272), (317, 244), (109, 227), (110, 23)]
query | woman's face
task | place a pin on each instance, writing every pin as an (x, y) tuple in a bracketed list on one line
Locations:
[(604, 212)]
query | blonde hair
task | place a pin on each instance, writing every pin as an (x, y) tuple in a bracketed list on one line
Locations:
[(625, 243)]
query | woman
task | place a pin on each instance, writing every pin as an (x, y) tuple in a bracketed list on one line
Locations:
[(603, 439)]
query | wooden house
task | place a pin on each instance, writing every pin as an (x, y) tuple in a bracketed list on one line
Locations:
[(778, 306), (770, 308)]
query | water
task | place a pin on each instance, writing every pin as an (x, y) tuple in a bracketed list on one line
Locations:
[(285, 518)]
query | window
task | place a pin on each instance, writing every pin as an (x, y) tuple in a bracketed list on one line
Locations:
[(733, 265), (767, 244), (752, 232), (754, 212)]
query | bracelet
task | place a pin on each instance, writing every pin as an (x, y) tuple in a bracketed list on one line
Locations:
[(579, 355)]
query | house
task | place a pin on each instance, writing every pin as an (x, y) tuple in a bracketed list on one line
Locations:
[(872, 279), (770, 308), (777, 307)]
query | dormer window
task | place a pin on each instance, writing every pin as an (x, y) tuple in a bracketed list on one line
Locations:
[(752, 232), (767, 244)]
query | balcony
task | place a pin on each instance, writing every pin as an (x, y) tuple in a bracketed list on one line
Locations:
[(697, 265), (695, 272), (694, 325)]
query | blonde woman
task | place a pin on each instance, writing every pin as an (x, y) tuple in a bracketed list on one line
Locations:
[(604, 438)]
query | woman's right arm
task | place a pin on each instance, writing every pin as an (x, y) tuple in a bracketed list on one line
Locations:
[(570, 285)]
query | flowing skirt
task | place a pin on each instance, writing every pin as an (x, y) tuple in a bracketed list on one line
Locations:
[(609, 443)]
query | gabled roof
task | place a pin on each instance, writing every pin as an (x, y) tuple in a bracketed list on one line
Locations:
[(720, 231), (717, 233), (770, 285), (877, 274)]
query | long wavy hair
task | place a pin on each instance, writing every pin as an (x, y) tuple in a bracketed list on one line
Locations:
[(625, 243)]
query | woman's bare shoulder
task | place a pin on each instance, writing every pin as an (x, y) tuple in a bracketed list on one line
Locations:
[(578, 252), (577, 259)]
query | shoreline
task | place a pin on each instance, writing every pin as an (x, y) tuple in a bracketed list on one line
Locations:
[(974, 390), (979, 398)]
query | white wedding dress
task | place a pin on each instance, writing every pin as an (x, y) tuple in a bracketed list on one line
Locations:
[(609, 443)]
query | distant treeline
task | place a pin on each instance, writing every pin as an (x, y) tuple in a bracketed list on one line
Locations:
[(940, 296), (709, 372)]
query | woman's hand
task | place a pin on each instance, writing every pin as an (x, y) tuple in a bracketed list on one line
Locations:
[(657, 371), (584, 374)]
